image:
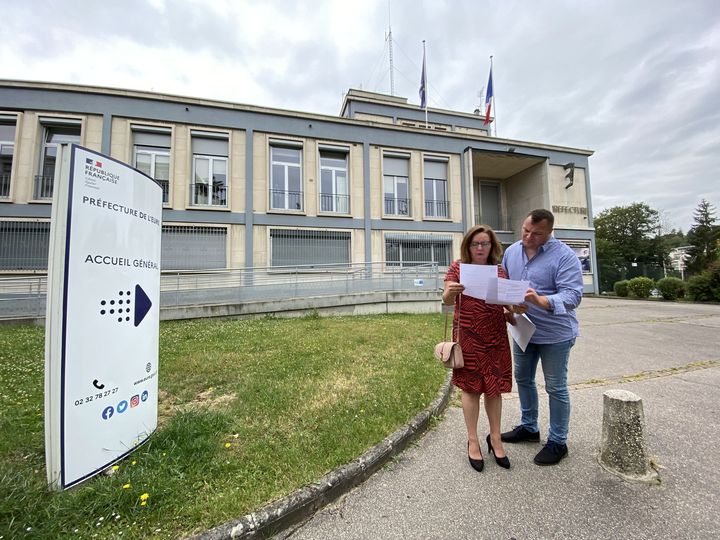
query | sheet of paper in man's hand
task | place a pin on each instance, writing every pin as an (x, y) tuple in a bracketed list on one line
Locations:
[(522, 330), (475, 278), (506, 291)]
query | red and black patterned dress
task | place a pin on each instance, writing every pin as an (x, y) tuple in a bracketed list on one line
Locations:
[(484, 343)]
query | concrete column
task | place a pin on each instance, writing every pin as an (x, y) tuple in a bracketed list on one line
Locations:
[(623, 445)]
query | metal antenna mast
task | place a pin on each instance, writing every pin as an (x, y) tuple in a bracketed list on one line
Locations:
[(392, 74)]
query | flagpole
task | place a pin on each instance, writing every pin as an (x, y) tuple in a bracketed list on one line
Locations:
[(426, 86), (494, 103)]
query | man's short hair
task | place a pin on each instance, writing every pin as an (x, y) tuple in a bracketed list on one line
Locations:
[(539, 214)]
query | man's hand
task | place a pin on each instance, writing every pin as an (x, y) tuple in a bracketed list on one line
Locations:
[(534, 298)]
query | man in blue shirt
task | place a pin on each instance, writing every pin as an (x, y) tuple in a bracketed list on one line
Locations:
[(556, 288)]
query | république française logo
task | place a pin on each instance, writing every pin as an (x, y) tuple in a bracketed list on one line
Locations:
[(94, 170)]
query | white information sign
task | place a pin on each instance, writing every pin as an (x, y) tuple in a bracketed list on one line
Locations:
[(102, 322)]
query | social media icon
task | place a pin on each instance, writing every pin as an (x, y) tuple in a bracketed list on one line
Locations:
[(107, 413), (144, 395), (122, 406), (134, 401)]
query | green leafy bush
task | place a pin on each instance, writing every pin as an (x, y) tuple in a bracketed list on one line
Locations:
[(715, 280), (621, 288), (699, 288), (706, 286), (641, 286), (671, 288)]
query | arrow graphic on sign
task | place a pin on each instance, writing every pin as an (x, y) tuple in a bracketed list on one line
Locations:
[(142, 304)]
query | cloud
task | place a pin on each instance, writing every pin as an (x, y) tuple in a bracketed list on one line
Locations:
[(637, 82)]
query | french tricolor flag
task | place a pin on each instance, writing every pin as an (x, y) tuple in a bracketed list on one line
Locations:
[(488, 99)]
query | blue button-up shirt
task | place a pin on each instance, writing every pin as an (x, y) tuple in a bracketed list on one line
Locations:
[(554, 272)]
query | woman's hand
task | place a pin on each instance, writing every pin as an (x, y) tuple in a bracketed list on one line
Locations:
[(509, 317), (452, 289), (519, 309)]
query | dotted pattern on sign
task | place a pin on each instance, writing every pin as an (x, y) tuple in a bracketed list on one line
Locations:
[(117, 307)]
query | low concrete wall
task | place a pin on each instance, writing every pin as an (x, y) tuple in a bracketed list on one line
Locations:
[(346, 304), (370, 303)]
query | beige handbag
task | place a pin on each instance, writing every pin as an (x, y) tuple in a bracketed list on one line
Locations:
[(449, 352)]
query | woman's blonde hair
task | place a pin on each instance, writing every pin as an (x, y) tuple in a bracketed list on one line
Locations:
[(495, 247)]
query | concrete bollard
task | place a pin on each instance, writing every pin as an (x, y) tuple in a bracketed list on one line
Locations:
[(623, 444)]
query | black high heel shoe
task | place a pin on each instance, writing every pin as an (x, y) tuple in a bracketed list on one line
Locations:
[(504, 462), (477, 464)]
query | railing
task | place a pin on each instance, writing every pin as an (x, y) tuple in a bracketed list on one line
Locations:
[(44, 186), (199, 194), (25, 296), (397, 206), (4, 186), (436, 208), (165, 185), (330, 202), (286, 200)]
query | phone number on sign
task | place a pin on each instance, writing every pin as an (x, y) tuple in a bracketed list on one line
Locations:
[(99, 395)]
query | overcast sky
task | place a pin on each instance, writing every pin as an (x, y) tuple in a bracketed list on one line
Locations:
[(636, 81)]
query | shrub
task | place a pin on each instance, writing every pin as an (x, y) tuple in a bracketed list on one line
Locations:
[(621, 287), (671, 288), (700, 288), (641, 286), (715, 280)]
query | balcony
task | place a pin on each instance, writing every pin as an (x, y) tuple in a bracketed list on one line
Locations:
[(199, 194), (438, 209), (397, 206), (281, 199), (165, 185), (44, 186), (330, 202), (4, 186)]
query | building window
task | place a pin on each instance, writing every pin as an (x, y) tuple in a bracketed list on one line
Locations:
[(286, 178), (334, 193), (436, 199), (210, 171), (7, 149), (52, 135), (305, 247), (490, 205), (396, 186), (404, 249), (151, 155), (24, 245), (187, 247)]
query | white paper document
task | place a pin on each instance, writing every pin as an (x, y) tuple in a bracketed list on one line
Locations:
[(522, 331), (506, 291), (475, 278)]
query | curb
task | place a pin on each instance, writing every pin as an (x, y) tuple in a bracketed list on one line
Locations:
[(281, 514)]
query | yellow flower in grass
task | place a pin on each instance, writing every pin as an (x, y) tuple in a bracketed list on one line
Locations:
[(126, 486), (228, 445), (115, 467), (144, 499)]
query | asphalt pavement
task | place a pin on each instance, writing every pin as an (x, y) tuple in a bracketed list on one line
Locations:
[(666, 353)]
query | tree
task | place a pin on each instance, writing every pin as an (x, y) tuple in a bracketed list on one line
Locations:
[(703, 236), (632, 230), (610, 264)]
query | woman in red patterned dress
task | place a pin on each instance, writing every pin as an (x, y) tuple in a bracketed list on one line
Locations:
[(485, 346)]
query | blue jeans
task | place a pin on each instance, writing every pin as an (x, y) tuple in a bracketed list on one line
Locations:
[(554, 358)]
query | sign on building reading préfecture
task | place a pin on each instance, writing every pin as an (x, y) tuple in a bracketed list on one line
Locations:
[(102, 324)]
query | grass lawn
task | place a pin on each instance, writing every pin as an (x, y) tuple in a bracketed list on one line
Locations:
[(250, 410)]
